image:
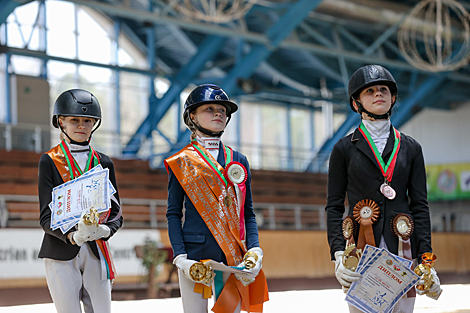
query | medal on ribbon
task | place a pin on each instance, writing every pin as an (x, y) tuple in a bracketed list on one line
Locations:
[(388, 191), (366, 212), (387, 169)]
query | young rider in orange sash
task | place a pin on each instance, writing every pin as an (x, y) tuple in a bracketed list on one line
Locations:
[(382, 173), (210, 212), (78, 263)]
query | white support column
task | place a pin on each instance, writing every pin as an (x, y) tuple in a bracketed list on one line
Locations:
[(153, 214), (298, 217)]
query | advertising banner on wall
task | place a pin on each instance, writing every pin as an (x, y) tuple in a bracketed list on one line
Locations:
[(448, 181), (19, 250)]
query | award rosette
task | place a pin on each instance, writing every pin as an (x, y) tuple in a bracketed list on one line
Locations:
[(402, 226), (366, 212), (236, 173), (349, 229)]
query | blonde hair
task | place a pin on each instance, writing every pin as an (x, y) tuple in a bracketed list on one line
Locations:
[(190, 125)]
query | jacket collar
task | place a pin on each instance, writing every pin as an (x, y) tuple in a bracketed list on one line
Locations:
[(363, 146), (221, 156)]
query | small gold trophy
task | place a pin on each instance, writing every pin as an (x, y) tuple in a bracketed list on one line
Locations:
[(201, 272), (351, 257), (91, 218), (424, 271), (250, 259)]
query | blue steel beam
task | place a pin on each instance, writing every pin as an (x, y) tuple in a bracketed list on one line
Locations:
[(181, 141), (276, 34), (207, 50), (403, 114), (8, 6), (405, 109), (324, 152)]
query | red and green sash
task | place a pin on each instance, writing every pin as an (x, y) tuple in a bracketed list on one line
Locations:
[(202, 179), (387, 169), (68, 170)]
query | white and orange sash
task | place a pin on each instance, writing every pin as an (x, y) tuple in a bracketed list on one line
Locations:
[(201, 178), (68, 170)]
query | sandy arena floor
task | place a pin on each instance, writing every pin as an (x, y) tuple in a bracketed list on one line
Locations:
[(454, 299)]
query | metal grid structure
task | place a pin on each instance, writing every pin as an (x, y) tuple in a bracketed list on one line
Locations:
[(289, 53)]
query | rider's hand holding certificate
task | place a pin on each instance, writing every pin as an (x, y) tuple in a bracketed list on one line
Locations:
[(385, 279), (82, 193)]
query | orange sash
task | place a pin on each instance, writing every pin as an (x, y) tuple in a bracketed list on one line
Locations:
[(207, 192), (60, 162)]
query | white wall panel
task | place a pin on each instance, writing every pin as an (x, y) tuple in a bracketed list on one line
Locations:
[(444, 135)]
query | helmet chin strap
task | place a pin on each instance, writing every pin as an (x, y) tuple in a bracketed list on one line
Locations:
[(80, 143), (210, 132), (360, 109)]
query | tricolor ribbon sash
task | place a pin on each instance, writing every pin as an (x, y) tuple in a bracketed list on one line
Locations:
[(68, 170), (201, 177), (387, 169)]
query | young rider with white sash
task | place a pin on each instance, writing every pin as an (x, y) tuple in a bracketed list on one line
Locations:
[(78, 263), (382, 172), (210, 212)]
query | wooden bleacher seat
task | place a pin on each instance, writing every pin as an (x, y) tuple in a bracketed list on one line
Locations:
[(136, 180)]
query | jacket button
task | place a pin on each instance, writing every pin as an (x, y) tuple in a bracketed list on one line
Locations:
[(381, 203)]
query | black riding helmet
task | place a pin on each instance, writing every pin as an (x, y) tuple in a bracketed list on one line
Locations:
[(205, 94), (367, 76), (76, 102)]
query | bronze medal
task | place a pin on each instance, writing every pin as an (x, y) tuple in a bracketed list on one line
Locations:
[(228, 201), (388, 191)]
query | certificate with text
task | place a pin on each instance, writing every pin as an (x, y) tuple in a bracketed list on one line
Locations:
[(75, 196), (385, 279)]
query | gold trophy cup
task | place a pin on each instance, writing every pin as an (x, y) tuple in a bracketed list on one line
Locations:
[(91, 218), (424, 271)]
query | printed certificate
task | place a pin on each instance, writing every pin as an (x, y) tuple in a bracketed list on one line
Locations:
[(75, 196), (385, 279)]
